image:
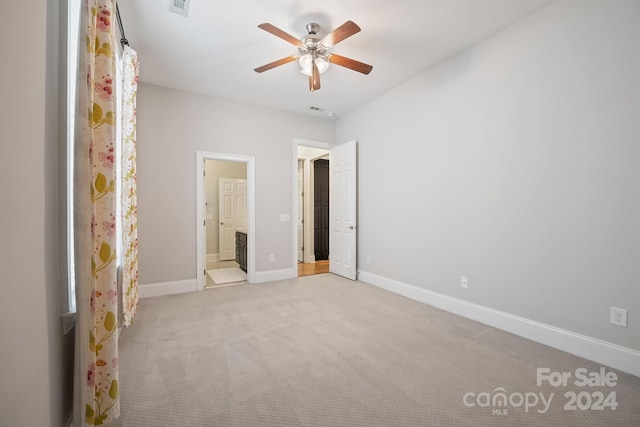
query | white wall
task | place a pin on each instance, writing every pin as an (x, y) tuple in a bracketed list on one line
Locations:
[(216, 169), (35, 357), (517, 164), (172, 126)]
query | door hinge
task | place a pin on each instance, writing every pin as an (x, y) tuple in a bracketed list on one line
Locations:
[(204, 271), (204, 222), (204, 173)]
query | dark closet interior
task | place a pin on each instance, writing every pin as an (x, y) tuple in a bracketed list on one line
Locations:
[(321, 209)]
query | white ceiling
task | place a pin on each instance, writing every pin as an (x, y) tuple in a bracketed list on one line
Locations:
[(215, 49)]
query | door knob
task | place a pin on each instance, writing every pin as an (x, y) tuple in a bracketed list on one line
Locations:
[(351, 227), (222, 223)]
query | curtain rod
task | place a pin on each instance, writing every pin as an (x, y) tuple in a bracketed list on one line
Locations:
[(123, 41)]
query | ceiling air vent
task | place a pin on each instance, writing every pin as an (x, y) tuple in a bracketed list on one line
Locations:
[(329, 114), (181, 7)]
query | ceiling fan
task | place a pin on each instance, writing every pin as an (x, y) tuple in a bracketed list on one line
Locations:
[(313, 56)]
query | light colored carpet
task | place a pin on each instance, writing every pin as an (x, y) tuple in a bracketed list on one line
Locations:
[(222, 276), (325, 351)]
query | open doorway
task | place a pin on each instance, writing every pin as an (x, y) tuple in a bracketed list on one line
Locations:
[(226, 219), (342, 206), (312, 200), (225, 187)]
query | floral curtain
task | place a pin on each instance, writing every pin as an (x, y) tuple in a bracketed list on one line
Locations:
[(96, 383), (129, 192)]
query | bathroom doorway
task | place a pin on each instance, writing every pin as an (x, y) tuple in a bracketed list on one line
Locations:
[(226, 217), (225, 185)]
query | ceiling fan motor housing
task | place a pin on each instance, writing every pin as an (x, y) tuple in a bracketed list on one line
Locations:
[(311, 42)]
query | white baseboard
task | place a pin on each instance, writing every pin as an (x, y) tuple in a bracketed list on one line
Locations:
[(273, 275), (167, 288), (609, 354), (213, 257)]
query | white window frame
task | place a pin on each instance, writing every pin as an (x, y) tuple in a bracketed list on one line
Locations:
[(70, 28)]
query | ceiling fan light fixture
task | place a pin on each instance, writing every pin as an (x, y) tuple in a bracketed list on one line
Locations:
[(322, 63), (306, 62)]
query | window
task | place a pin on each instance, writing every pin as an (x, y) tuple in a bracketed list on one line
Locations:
[(70, 67)]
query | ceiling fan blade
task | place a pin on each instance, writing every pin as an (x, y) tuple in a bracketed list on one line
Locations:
[(314, 78), (279, 33), (352, 64), (345, 30), (275, 64)]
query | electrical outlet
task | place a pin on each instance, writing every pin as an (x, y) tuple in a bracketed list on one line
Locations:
[(618, 317), (368, 259), (272, 258), (464, 282)]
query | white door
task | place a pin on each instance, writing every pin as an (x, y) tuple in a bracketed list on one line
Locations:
[(232, 208), (342, 210), (300, 210)]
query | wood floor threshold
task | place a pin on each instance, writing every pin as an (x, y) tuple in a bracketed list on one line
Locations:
[(308, 269)]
